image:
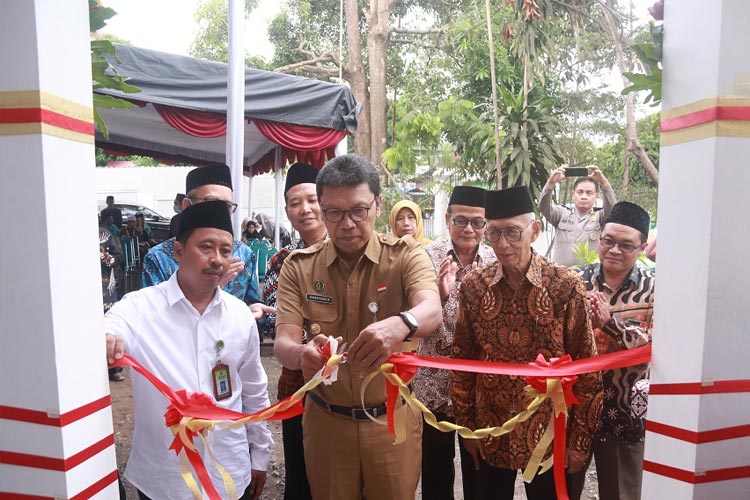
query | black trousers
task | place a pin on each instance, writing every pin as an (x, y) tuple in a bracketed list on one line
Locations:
[(494, 483), (438, 469), (245, 496), (296, 485)]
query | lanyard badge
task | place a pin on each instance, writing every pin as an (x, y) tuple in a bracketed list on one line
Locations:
[(222, 382)]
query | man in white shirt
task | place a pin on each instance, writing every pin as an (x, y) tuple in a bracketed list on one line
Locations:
[(195, 336)]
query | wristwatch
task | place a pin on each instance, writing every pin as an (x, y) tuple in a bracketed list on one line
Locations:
[(411, 322)]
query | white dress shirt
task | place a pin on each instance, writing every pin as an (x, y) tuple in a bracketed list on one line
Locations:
[(167, 335)]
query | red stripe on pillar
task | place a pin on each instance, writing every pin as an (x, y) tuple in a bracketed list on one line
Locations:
[(41, 417), (57, 464), (41, 115), (83, 495), (717, 387), (717, 113), (700, 437), (686, 476)]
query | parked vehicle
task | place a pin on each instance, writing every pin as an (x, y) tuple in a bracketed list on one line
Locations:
[(158, 223)]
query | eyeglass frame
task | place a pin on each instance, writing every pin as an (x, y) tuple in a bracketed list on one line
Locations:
[(469, 221), (232, 206), (348, 212), (618, 245), (492, 230)]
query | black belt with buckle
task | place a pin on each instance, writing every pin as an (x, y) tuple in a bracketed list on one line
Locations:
[(356, 413)]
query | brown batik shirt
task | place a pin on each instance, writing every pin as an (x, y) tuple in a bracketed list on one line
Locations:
[(547, 314), (432, 385)]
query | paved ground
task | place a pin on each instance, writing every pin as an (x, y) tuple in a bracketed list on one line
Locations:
[(122, 415)]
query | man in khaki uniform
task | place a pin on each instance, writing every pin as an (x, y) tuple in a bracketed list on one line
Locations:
[(583, 222), (375, 292)]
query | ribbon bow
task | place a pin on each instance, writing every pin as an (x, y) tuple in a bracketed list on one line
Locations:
[(559, 390)]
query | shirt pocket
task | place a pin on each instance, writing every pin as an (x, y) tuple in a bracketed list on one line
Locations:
[(320, 318), (565, 230)]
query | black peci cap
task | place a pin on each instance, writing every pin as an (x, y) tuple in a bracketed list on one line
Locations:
[(508, 203)]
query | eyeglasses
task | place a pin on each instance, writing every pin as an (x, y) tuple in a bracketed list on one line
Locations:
[(356, 214), (232, 207), (624, 247), (512, 234), (463, 222)]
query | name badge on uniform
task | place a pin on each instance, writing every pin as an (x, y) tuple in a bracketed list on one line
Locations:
[(222, 382), (321, 299)]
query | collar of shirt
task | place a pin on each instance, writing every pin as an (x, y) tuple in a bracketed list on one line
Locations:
[(452, 251), (634, 277), (533, 274), (174, 294), (372, 250)]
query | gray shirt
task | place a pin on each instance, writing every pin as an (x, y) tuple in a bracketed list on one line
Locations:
[(573, 228)]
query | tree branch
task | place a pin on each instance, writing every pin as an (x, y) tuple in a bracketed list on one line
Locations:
[(410, 31), (316, 61)]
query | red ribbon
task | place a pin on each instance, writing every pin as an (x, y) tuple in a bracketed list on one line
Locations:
[(610, 361), (536, 374), (540, 385), (198, 405)]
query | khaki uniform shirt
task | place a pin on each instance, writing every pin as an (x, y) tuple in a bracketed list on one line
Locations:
[(573, 228), (320, 293)]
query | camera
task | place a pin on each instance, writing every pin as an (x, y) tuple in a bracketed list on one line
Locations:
[(576, 171)]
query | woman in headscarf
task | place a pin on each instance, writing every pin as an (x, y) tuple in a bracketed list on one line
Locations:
[(406, 218)]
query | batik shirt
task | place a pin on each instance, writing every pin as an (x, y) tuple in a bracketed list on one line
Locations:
[(289, 380), (632, 309), (547, 314), (431, 385), (159, 264)]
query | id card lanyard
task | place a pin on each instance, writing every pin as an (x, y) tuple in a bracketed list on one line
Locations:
[(220, 378)]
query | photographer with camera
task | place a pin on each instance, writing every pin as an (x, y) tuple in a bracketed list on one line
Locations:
[(583, 222)]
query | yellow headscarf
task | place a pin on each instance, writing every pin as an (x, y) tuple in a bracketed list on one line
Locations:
[(419, 233)]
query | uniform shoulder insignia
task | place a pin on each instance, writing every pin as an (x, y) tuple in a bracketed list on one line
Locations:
[(314, 248), (388, 239)]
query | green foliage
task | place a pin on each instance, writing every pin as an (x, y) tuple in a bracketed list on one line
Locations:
[(103, 74), (650, 55), (585, 254), (415, 132), (610, 157), (529, 148), (212, 40)]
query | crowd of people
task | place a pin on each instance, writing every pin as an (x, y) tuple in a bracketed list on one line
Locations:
[(482, 294)]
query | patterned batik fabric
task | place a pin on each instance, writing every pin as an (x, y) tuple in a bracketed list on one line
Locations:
[(432, 385), (289, 380), (632, 308), (547, 314)]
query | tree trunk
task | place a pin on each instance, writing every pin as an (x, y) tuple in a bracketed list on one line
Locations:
[(625, 174), (377, 49), (631, 133), (358, 79), (495, 114)]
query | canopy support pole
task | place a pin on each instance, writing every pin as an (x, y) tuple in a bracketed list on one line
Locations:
[(236, 106), (279, 197)]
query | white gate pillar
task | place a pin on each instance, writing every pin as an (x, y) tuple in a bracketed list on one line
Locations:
[(56, 437), (695, 447)]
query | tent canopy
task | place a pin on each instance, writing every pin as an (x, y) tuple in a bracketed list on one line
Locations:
[(181, 112)]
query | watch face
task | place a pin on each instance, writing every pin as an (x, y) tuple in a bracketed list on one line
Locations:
[(410, 320)]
